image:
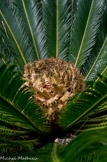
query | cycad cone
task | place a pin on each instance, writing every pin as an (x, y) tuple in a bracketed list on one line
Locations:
[(53, 81)]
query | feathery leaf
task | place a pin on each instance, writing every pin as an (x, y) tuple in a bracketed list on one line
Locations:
[(100, 62), (86, 102), (85, 28), (16, 104), (18, 39)]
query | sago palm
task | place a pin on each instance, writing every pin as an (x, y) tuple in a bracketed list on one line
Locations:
[(50, 90)]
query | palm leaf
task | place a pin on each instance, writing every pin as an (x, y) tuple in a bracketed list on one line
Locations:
[(95, 121), (85, 103), (3, 47), (85, 28), (63, 23), (104, 72), (57, 19), (48, 153), (100, 62), (18, 39), (74, 8), (91, 148), (49, 18), (10, 132), (17, 106), (98, 52), (33, 14), (25, 144), (2, 60)]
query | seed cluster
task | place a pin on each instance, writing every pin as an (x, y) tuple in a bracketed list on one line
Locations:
[(53, 82)]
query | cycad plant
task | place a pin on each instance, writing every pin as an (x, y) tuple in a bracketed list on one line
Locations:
[(54, 88)]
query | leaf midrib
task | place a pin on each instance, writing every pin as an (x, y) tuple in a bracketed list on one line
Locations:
[(83, 38), (104, 71), (30, 28), (84, 113), (12, 34), (11, 131), (22, 113), (95, 128), (99, 54), (12, 124), (54, 153)]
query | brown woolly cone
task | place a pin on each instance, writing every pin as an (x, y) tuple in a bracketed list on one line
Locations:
[(53, 81)]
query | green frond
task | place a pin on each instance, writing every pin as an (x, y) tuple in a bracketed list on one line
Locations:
[(74, 8), (16, 104), (91, 148), (4, 48), (27, 143), (49, 153), (97, 54), (5, 147), (18, 38), (10, 146), (10, 123), (1, 57), (33, 12), (88, 146), (10, 132), (14, 39), (49, 18), (97, 120), (100, 62), (104, 72), (86, 25), (57, 19), (63, 26), (83, 105)]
